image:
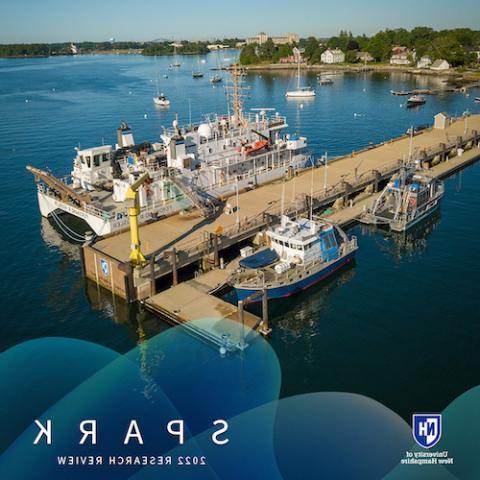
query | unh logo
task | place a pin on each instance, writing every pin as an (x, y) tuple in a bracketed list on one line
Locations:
[(104, 266), (427, 429)]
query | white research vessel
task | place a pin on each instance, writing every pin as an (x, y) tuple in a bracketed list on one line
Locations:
[(190, 166)]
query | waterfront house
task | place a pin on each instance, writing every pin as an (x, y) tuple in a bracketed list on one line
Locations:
[(296, 57), (441, 121), (332, 56), (364, 57), (424, 62), (440, 65), (402, 56)]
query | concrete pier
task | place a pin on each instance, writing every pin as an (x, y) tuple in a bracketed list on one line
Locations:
[(348, 183)]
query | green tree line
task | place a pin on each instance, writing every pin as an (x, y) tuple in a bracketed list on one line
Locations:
[(457, 46), (165, 48), (47, 49), (147, 48)]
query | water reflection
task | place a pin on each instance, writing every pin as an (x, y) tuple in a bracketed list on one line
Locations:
[(407, 245), (53, 239), (299, 316)]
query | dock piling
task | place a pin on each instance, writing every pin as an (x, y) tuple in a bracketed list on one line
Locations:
[(241, 316), (216, 257), (264, 326), (173, 261)]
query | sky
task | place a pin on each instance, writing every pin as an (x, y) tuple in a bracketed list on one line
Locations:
[(28, 21)]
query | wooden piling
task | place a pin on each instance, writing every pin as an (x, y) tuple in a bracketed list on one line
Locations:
[(264, 326), (173, 261)]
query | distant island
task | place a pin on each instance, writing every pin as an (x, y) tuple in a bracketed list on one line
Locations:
[(163, 47), (421, 47)]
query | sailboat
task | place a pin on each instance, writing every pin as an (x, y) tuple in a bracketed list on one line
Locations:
[(175, 63), (197, 73), (301, 91), (216, 78)]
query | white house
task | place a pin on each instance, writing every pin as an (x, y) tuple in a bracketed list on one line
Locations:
[(402, 56), (333, 56), (439, 65), (399, 59), (424, 62)]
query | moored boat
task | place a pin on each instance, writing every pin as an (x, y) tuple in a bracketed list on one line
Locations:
[(301, 91), (215, 79), (325, 81), (161, 100), (415, 100), (409, 197), (302, 253)]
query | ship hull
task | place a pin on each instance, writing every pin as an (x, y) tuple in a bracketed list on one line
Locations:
[(296, 287), (402, 227), (104, 226)]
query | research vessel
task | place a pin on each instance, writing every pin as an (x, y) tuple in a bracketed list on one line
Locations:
[(408, 198), (302, 253), (188, 167)]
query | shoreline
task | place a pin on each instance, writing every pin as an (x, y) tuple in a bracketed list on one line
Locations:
[(355, 68)]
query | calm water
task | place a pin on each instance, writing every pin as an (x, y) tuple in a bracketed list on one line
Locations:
[(400, 327)]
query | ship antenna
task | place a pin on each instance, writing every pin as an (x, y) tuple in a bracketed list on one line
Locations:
[(236, 93)]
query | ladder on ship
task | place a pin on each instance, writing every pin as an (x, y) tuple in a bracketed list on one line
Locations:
[(204, 205), (66, 193)]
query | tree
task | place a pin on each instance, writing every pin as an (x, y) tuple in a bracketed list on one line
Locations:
[(248, 55), (282, 52), (310, 46), (353, 45), (267, 50), (380, 46), (351, 56)]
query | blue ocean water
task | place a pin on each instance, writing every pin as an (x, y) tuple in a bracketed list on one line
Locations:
[(400, 327)]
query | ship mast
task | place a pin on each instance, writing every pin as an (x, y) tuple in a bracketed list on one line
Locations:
[(236, 92)]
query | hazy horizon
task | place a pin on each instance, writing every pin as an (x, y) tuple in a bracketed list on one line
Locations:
[(28, 21)]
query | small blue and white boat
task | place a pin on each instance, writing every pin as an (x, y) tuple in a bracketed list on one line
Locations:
[(302, 253)]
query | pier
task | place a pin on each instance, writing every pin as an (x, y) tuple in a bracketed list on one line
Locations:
[(339, 191)]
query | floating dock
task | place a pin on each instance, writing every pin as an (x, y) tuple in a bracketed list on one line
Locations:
[(193, 300), (348, 184)]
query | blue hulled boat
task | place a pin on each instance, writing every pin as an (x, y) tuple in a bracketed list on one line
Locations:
[(301, 253)]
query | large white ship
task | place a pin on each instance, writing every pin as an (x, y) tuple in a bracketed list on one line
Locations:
[(189, 167)]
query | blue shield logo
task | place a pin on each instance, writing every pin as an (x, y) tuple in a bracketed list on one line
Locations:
[(104, 266), (427, 429)]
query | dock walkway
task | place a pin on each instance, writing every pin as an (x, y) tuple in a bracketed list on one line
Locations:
[(195, 238), (191, 300)]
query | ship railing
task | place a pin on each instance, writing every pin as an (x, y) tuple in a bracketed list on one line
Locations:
[(85, 207), (270, 164), (258, 278), (254, 121), (98, 212)]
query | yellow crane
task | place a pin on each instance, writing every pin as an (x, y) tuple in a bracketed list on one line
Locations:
[(133, 205)]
